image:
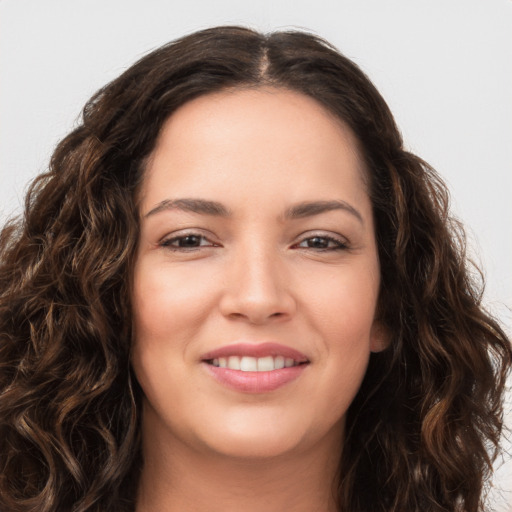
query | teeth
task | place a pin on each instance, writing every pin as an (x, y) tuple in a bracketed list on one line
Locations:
[(254, 364), (265, 364), (234, 363), (249, 364), (279, 362)]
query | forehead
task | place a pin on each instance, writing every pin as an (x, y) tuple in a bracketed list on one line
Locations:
[(260, 140)]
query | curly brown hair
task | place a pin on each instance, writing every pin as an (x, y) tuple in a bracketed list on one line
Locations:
[(425, 426)]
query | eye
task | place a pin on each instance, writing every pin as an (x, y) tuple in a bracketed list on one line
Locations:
[(186, 241), (322, 243)]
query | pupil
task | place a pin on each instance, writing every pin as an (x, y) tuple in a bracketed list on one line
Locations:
[(189, 241), (317, 242)]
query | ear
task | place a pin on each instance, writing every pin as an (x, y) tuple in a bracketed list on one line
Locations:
[(380, 337)]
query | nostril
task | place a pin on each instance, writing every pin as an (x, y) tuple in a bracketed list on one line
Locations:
[(256, 306), (257, 317)]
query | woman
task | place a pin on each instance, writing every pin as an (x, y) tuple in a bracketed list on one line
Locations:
[(235, 290)]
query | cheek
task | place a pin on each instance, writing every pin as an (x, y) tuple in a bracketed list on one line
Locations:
[(166, 300), (342, 305), (168, 308), (341, 312)]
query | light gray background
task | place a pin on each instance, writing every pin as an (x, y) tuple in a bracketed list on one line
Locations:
[(444, 66)]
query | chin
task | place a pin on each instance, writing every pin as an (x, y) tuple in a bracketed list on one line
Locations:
[(259, 446), (250, 435)]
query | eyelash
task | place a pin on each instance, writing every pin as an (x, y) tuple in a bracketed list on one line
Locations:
[(339, 244), (167, 242)]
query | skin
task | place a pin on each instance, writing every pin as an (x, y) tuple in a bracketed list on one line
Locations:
[(253, 276)]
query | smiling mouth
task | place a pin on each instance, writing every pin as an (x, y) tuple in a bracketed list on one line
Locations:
[(255, 364), (255, 368)]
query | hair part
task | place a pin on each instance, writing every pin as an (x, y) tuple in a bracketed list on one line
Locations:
[(424, 428)]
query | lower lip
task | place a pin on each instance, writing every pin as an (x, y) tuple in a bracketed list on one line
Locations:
[(255, 382)]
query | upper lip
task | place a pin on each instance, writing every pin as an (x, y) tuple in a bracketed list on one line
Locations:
[(256, 350)]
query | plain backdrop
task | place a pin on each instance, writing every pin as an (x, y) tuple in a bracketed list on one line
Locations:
[(444, 67)]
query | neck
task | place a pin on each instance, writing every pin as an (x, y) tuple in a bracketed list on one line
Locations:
[(176, 477)]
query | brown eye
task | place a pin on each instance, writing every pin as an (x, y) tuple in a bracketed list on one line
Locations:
[(317, 243), (322, 243), (186, 242), (189, 241)]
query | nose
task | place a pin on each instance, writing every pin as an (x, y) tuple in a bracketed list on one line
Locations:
[(256, 289)]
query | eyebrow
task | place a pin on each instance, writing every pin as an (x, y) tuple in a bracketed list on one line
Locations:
[(297, 211), (308, 209), (201, 206)]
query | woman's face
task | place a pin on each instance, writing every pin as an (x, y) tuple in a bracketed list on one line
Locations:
[(257, 251)]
